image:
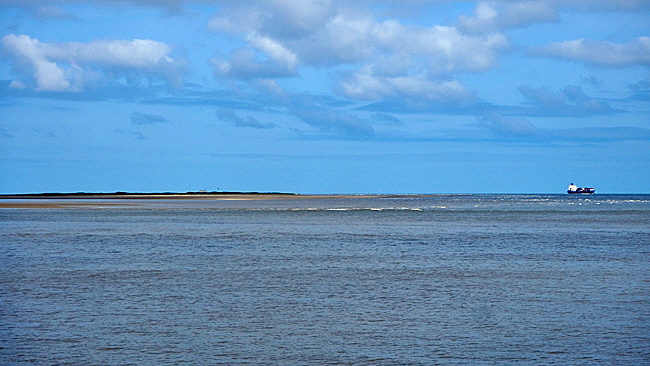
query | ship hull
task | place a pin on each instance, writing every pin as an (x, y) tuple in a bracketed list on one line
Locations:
[(582, 191)]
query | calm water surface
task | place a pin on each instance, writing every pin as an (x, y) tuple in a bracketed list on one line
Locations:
[(450, 280)]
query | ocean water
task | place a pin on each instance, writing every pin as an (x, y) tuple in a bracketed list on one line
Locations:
[(446, 280)]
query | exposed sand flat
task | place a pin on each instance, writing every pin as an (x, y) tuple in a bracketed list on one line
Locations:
[(186, 196), (41, 204), (131, 200)]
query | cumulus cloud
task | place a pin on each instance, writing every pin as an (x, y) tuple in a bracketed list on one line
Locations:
[(600, 53), (69, 66), (446, 49), (229, 115), (348, 38), (365, 85), (568, 101), (265, 58), (17, 84), (282, 19), (495, 16), (392, 59)]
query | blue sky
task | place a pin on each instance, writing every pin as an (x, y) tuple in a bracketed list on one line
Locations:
[(324, 96)]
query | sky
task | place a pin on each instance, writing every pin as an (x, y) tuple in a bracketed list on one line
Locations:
[(324, 96)]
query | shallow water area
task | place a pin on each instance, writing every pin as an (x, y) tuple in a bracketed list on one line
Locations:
[(402, 280)]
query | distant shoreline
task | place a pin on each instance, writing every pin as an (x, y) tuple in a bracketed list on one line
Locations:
[(194, 195), (142, 195), (84, 199)]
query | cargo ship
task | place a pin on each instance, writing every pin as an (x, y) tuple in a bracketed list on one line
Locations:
[(574, 189)]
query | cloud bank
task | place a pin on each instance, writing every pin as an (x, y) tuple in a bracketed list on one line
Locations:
[(365, 52), (600, 53), (377, 59), (71, 66), (570, 101), (496, 16)]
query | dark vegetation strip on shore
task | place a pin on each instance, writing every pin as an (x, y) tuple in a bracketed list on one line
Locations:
[(135, 194)]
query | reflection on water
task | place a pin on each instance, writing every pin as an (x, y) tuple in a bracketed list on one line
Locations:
[(442, 280)]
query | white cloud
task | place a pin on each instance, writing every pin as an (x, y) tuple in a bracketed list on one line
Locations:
[(568, 101), (248, 63), (349, 37), (243, 19), (271, 86), (600, 53), (138, 53), (499, 15), (394, 60), (293, 18), (281, 19), (17, 84), (345, 38), (364, 85), (67, 66), (274, 50), (448, 49), (496, 16), (485, 19)]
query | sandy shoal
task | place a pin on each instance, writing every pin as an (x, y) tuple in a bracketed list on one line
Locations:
[(90, 201)]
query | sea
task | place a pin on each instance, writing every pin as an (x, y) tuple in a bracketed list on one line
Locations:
[(401, 280)]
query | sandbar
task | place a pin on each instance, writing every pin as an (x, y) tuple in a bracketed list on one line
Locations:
[(116, 200)]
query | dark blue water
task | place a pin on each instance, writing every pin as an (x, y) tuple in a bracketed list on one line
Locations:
[(450, 280)]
